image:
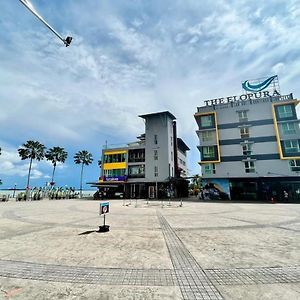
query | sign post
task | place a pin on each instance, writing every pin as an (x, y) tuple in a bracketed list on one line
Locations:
[(103, 210)]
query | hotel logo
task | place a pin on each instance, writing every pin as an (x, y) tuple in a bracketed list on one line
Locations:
[(252, 87)]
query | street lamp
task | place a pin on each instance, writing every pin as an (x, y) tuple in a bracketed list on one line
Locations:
[(15, 185), (67, 41)]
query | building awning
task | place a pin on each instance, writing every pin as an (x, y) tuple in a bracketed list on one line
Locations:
[(106, 184)]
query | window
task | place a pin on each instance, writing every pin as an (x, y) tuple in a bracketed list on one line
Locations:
[(207, 136), (206, 121), (249, 167), (136, 171), (242, 115), (136, 155), (209, 169), (114, 172), (155, 139), (294, 165), (288, 128), (208, 152), (247, 149), (244, 132), (291, 146), (285, 111), (156, 171), (155, 154), (113, 158), (171, 141)]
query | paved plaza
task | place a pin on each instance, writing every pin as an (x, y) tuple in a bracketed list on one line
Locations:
[(50, 249)]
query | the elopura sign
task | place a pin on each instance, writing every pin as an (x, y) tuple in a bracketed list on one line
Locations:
[(253, 91)]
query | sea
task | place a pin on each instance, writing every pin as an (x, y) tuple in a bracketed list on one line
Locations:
[(11, 193)]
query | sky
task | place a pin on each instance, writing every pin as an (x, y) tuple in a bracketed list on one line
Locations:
[(129, 58)]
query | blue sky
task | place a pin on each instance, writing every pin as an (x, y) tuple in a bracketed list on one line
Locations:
[(129, 58)]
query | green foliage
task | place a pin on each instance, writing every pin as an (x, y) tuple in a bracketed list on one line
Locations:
[(83, 157), (195, 182), (32, 150), (56, 154)]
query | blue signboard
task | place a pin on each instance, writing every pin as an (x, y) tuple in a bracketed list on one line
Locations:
[(115, 178)]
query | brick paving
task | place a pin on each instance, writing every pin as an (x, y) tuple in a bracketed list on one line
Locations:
[(146, 277), (194, 281)]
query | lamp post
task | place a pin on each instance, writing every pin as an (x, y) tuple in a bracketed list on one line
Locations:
[(67, 41), (15, 186)]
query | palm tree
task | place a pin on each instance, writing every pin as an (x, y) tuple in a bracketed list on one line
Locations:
[(32, 150), (55, 155), (82, 157)]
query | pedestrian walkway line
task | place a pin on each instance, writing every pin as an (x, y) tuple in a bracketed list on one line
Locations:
[(192, 280), (87, 275), (144, 277), (250, 276)]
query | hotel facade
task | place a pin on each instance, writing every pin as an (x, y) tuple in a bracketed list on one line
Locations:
[(154, 166), (250, 146)]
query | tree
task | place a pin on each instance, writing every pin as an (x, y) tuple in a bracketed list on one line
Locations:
[(31, 150), (195, 184), (55, 155), (84, 158)]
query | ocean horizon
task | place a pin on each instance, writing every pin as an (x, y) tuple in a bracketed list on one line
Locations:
[(10, 192)]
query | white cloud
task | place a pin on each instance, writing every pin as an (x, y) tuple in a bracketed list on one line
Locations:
[(126, 61), (12, 165)]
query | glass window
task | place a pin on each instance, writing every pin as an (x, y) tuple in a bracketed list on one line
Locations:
[(209, 169), (114, 158), (249, 167), (156, 171), (291, 146), (114, 172), (208, 152), (136, 171), (244, 132), (288, 128), (207, 136), (247, 149), (285, 111), (206, 121), (294, 165), (155, 154), (242, 115), (136, 155), (155, 139)]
